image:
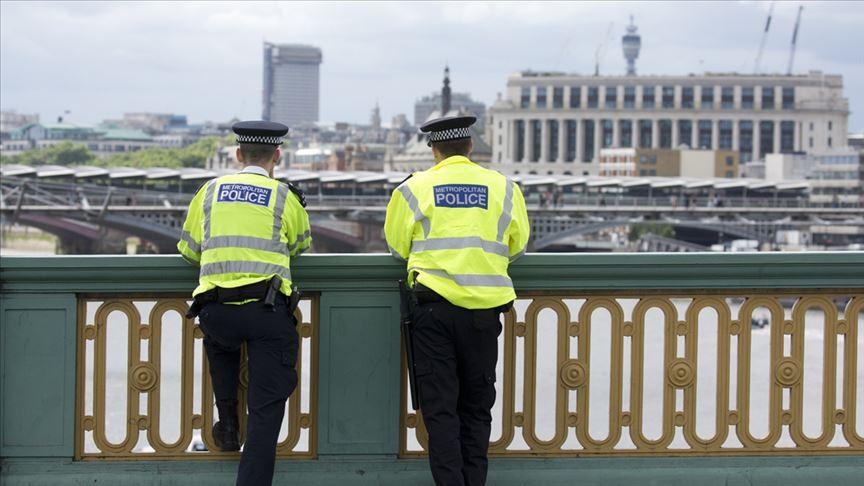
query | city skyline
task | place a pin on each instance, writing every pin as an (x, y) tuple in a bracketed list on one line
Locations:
[(100, 60)]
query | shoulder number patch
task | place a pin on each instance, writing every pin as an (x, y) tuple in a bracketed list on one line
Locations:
[(244, 193), (461, 196)]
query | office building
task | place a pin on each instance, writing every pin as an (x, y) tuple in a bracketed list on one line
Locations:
[(291, 83), (552, 123)]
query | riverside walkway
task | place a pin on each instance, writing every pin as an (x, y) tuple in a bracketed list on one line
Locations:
[(614, 369)]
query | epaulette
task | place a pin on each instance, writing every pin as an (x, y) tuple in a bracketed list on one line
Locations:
[(405, 179), (297, 192)]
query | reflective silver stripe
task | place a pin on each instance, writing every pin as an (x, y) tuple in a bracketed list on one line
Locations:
[(300, 239), (245, 242), (278, 209), (415, 206), (470, 280), (208, 205), (506, 213), (518, 255), (258, 268), (460, 244), (190, 242), (395, 253)]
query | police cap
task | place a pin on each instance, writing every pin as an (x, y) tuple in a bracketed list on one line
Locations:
[(259, 131), (448, 128)]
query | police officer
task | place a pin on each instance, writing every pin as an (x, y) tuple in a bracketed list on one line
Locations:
[(242, 229), (458, 225)]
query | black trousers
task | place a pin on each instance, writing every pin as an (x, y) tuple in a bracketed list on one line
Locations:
[(271, 345), (455, 353)]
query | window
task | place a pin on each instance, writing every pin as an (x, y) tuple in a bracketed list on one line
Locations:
[(611, 97), (557, 97), (685, 132), (829, 141), (626, 129), (788, 98), (730, 174), (536, 140), (687, 97), (707, 97), (725, 135), (607, 133), (571, 141), (588, 138), (665, 133), (593, 97), (575, 97), (787, 137), (747, 98), (745, 140), (645, 133), (526, 97), (767, 97), (727, 98), (811, 142), (730, 160), (541, 97), (811, 126), (830, 125), (648, 97), (552, 156), (668, 99), (705, 129), (766, 138), (629, 97), (520, 140)]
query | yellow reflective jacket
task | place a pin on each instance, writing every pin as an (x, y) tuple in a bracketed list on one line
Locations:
[(242, 229), (459, 225)]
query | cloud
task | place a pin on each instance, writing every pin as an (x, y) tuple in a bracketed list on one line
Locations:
[(203, 59)]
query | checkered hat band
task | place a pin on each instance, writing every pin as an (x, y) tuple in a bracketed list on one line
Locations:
[(259, 139), (450, 134)]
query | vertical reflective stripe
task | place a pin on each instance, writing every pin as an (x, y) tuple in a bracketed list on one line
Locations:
[(207, 206), (506, 213), (278, 209), (419, 217)]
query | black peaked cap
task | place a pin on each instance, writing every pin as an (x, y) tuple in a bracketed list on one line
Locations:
[(448, 128), (259, 131)]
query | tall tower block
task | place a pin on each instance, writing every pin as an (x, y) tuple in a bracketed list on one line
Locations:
[(631, 42)]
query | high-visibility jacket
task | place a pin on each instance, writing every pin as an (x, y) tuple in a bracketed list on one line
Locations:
[(459, 226), (242, 229)]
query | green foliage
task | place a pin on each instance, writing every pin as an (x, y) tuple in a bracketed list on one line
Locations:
[(660, 229), (70, 153), (194, 155), (64, 153)]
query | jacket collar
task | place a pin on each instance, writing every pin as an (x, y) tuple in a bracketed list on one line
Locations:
[(456, 159), (254, 169)]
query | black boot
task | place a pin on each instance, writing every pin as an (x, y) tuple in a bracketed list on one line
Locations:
[(226, 432)]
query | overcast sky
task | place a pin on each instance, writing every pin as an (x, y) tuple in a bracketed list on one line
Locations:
[(99, 60)]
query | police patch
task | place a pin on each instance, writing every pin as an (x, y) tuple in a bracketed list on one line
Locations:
[(244, 193), (461, 196)]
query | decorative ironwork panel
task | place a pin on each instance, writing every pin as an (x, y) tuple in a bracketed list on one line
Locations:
[(675, 373), (144, 389)]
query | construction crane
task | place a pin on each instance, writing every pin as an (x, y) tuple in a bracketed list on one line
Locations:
[(601, 49), (762, 42), (794, 42)]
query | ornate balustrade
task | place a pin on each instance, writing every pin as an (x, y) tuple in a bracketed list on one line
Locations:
[(604, 361)]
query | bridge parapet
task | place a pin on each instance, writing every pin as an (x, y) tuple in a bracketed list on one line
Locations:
[(605, 360)]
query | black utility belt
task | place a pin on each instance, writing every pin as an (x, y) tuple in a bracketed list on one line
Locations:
[(425, 295), (267, 290)]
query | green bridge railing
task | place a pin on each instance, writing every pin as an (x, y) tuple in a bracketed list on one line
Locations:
[(613, 369)]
